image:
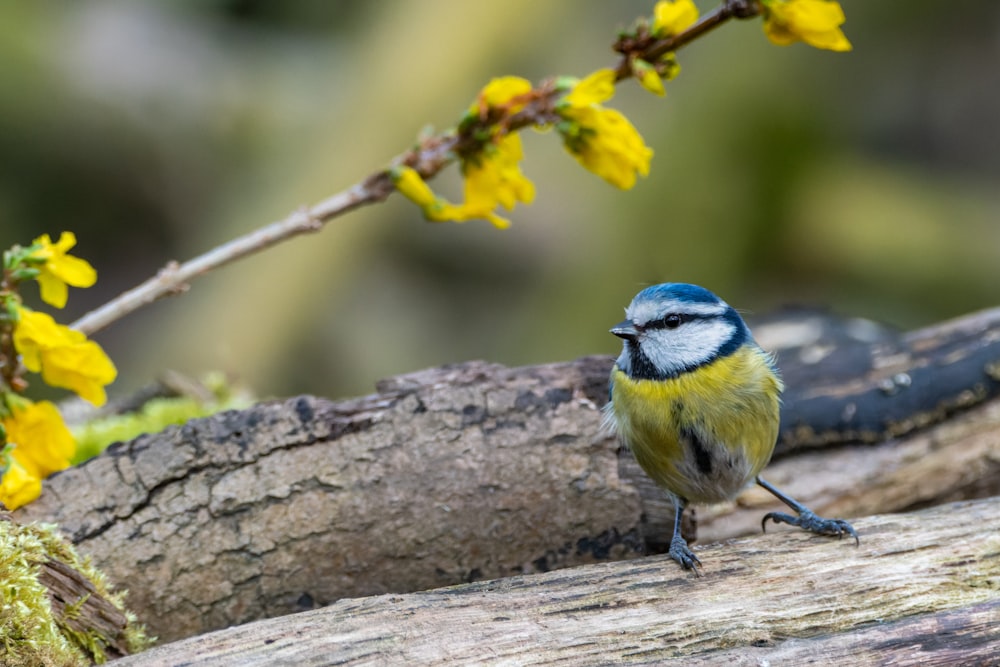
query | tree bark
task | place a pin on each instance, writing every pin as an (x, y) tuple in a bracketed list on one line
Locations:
[(477, 471), (452, 475), (923, 588)]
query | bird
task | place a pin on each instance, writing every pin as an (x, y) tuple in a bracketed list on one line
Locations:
[(697, 401)]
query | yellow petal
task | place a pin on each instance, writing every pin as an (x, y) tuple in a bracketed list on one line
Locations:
[(35, 332), (19, 487), (597, 87), (497, 178), (53, 290), (73, 270), (412, 186), (502, 90), (778, 34), (443, 211), (83, 368), (649, 78), (42, 443), (64, 356), (815, 22), (611, 147), (497, 221), (66, 241), (672, 17), (60, 269), (509, 149)]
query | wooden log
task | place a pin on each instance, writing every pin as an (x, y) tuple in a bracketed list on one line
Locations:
[(452, 475), (923, 588), (477, 471), (854, 381)]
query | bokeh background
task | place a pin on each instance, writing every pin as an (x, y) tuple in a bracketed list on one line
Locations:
[(866, 182)]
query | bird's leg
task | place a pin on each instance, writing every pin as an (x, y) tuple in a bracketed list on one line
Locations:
[(806, 518), (679, 549)]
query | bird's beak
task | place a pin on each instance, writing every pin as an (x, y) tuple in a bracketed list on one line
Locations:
[(626, 330)]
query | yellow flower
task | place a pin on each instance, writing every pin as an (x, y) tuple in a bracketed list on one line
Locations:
[(500, 91), (60, 269), (815, 22), (602, 140), (18, 487), (648, 77), (672, 17), (42, 443), (497, 179), (410, 184), (64, 357), (597, 87), (610, 146), (491, 168), (413, 187)]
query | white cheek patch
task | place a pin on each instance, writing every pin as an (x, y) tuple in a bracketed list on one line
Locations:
[(693, 343)]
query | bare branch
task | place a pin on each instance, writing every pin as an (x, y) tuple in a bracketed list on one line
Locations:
[(430, 157), (174, 277)]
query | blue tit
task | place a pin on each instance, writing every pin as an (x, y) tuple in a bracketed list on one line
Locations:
[(698, 401)]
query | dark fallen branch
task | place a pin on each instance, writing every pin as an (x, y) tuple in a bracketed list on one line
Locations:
[(852, 381)]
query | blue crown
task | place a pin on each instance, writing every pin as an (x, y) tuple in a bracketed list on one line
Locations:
[(678, 291)]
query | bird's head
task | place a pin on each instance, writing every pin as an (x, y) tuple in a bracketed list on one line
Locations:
[(674, 328)]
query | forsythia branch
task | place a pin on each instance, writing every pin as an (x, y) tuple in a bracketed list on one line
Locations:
[(813, 21)]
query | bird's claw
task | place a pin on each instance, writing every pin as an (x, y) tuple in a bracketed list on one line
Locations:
[(681, 552), (807, 520)]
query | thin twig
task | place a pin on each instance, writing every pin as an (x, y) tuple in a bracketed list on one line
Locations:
[(174, 277), (649, 49)]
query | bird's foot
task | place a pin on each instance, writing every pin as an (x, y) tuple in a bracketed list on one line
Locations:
[(807, 520), (681, 552)]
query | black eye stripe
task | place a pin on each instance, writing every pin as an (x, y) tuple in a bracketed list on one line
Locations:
[(674, 320)]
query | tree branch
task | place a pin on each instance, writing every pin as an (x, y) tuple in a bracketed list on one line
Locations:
[(174, 278), (921, 588), (428, 158)]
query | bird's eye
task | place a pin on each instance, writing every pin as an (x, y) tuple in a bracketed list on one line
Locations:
[(672, 321)]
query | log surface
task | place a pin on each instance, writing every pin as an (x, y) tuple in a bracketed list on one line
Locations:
[(456, 474), (923, 588), (477, 471)]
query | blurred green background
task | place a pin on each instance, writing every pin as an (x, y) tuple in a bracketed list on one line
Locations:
[(867, 181)]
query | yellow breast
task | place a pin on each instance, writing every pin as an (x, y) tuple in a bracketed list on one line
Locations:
[(706, 433)]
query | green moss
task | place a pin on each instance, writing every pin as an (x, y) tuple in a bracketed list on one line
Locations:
[(30, 632), (155, 415)]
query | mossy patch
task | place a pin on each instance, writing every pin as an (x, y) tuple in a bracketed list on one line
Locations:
[(39, 628)]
